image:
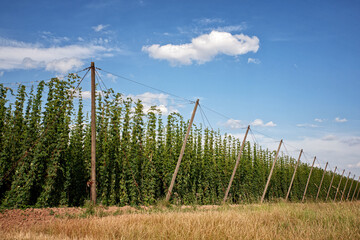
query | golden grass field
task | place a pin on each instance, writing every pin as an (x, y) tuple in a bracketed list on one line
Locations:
[(255, 221)]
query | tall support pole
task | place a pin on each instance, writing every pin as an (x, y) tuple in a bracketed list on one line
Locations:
[(352, 182), (168, 195), (236, 164), (293, 177), (93, 136), (357, 195), (322, 179), (307, 184), (355, 189), (343, 193), (332, 179), (271, 172), (337, 190)]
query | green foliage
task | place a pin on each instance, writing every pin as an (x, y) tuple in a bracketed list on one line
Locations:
[(45, 149)]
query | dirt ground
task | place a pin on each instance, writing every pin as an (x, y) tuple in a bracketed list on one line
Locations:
[(32, 216), (23, 218)]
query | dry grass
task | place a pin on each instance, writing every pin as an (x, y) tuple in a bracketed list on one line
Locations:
[(267, 221)]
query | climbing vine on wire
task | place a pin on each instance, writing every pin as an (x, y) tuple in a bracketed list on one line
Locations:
[(45, 146)]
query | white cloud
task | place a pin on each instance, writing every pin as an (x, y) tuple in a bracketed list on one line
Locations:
[(13, 43), (219, 21), (338, 151), (307, 125), (84, 94), (20, 55), (101, 41), (207, 21), (204, 48), (50, 37), (1, 73), (260, 123), (329, 138), (357, 165), (351, 141), (319, 120), (232, 28), (340, 120), (99, 27), (233, 124), (236, 124), (111, 77), (254, 60), (64, 65), (260, 140), (160, 100)]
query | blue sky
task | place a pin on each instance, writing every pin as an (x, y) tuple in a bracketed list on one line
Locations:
[(288, 68)]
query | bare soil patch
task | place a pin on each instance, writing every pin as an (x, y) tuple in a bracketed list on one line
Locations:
[(32, 216), (23, 218)]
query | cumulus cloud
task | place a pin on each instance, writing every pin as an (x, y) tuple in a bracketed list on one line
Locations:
[(340, 120), (99, 27), (236, 124), (254, 60), (204, 48), (319, 120), (63, 65), (160, 100), (233, 124), (19, 55), (260, 123)]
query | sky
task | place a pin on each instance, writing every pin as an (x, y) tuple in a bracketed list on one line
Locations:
[(290, 69)]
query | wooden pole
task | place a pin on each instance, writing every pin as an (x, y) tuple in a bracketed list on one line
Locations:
[(355, 189), (352, 182), (168, 195), (271, 172), (357, 195), (332, 179), (293, 177), (317, 195), (236, 164), (347, 180), (307, 184), (93, 136), (337, 190)]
